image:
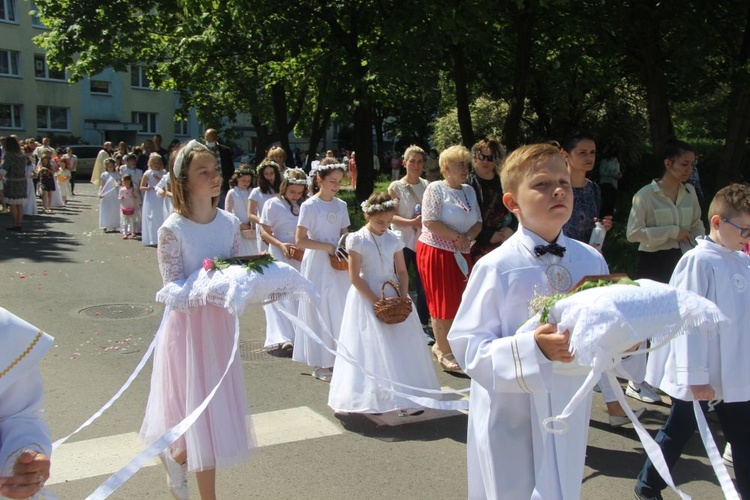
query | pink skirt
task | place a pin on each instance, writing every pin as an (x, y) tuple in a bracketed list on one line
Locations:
[(190, 357), (442, 280)]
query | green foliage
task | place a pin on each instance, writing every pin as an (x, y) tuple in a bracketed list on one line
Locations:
[(487, 116)]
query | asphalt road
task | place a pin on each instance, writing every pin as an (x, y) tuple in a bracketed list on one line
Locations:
[(68, 277)]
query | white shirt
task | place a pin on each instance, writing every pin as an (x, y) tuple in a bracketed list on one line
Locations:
[(407, 201), (456, 208), (719, 359), (514, 386)]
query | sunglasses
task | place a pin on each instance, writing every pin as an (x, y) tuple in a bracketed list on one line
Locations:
[(480, 156), (744, 231)]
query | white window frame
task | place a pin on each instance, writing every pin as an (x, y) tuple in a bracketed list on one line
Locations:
[(36, 22), (11, 11), (15, 109), (151, 122), (141, 77), (8, 54), (96, 92), (48, 120), (182, 128), (45, 69)]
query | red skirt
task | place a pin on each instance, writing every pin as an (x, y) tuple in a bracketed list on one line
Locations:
[(443, 281)]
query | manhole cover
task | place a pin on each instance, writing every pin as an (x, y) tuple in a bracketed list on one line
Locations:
[(117, 311)]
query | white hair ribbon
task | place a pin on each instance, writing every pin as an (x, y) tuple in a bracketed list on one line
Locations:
[(181, 156)]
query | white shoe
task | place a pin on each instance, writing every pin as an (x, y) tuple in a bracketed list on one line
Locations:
[(728, 459), (176, 475), (642, 392), (618, 421)]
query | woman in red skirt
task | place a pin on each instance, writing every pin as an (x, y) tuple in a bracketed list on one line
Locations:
[(451, 221)]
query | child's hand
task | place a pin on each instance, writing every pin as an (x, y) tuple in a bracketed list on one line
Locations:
[(703, 392), (285, 250), (332, 250), (553, 344)]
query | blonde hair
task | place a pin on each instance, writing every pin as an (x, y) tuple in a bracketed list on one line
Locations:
[(413, 150), (731, 201), (522, 163), (180, 194), (454, 154), (276, 152)]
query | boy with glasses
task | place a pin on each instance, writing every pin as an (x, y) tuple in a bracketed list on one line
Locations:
[(709, 367)]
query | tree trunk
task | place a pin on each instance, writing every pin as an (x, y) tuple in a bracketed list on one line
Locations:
[(461, 82), (524, 27), (378, 123), (281, 117), (738, 116), (363, 146), (319, 126)]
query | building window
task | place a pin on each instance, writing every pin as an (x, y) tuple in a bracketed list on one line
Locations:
[(43, 72), (9, 62), (138, 78), (147, 121), (8, 11), (52, 118), (181, 127), (35, 20), (10, 116), (99, 86)]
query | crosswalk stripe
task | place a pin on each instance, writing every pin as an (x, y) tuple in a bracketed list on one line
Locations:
[(106, 455)]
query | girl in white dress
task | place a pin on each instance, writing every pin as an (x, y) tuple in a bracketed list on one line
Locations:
[(323, 219), (109, 204), (152, 215), (57, 197), (279, 225), (236, 203), (395, 352), (129, 200), (30, 206), (194, 346), (269, 182)]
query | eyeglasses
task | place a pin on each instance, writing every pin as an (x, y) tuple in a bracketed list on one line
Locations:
[(744, 231), (480, 156)]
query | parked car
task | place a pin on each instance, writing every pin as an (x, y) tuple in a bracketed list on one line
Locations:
[(86, 157)]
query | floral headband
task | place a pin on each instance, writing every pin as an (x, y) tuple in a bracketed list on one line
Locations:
[(330, 166), (181, 155), (379, 207), (155, 156), (291, 180)]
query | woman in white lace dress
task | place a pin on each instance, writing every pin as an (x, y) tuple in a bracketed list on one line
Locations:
[(193, 348)]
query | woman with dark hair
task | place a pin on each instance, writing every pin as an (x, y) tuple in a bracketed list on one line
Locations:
[(498, 224), (666, 215), (15, 192), (579, 151), (664, 220)]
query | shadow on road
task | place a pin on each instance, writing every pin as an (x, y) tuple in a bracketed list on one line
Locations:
[(453, 427), (43, 238)]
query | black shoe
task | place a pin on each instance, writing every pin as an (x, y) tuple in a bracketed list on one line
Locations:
[(428, 335), (640, 496)]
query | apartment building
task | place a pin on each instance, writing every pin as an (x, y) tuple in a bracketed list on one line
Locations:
[(36, 100)]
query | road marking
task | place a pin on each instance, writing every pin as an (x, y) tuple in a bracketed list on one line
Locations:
[(106, 455)]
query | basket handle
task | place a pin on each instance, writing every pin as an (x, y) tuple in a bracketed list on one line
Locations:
[(393, 284)]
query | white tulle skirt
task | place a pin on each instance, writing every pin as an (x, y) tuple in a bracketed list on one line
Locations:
[(333, 286), (278, 328), (190, 357), (152, 217), (109, 210), (395, 353)]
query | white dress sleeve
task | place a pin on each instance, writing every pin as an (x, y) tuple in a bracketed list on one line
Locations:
[(169, 255), (354, 243)]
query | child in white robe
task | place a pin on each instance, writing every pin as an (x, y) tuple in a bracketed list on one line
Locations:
[(388, 353), (109, 204), (323, 219), (152, 215), (520, 379), (278, 227), (702, 367), (269, 182), (236, 202)]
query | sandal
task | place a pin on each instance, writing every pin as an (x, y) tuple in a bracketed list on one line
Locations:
[(446, 361)]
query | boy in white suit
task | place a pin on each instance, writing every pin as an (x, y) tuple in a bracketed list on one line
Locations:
[(24, 437), (520, 379), (710, 367)]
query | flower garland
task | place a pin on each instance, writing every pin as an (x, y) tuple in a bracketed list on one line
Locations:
[(330, 166), (254, 263), (379, 207), (292, 180), (543, 303)]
